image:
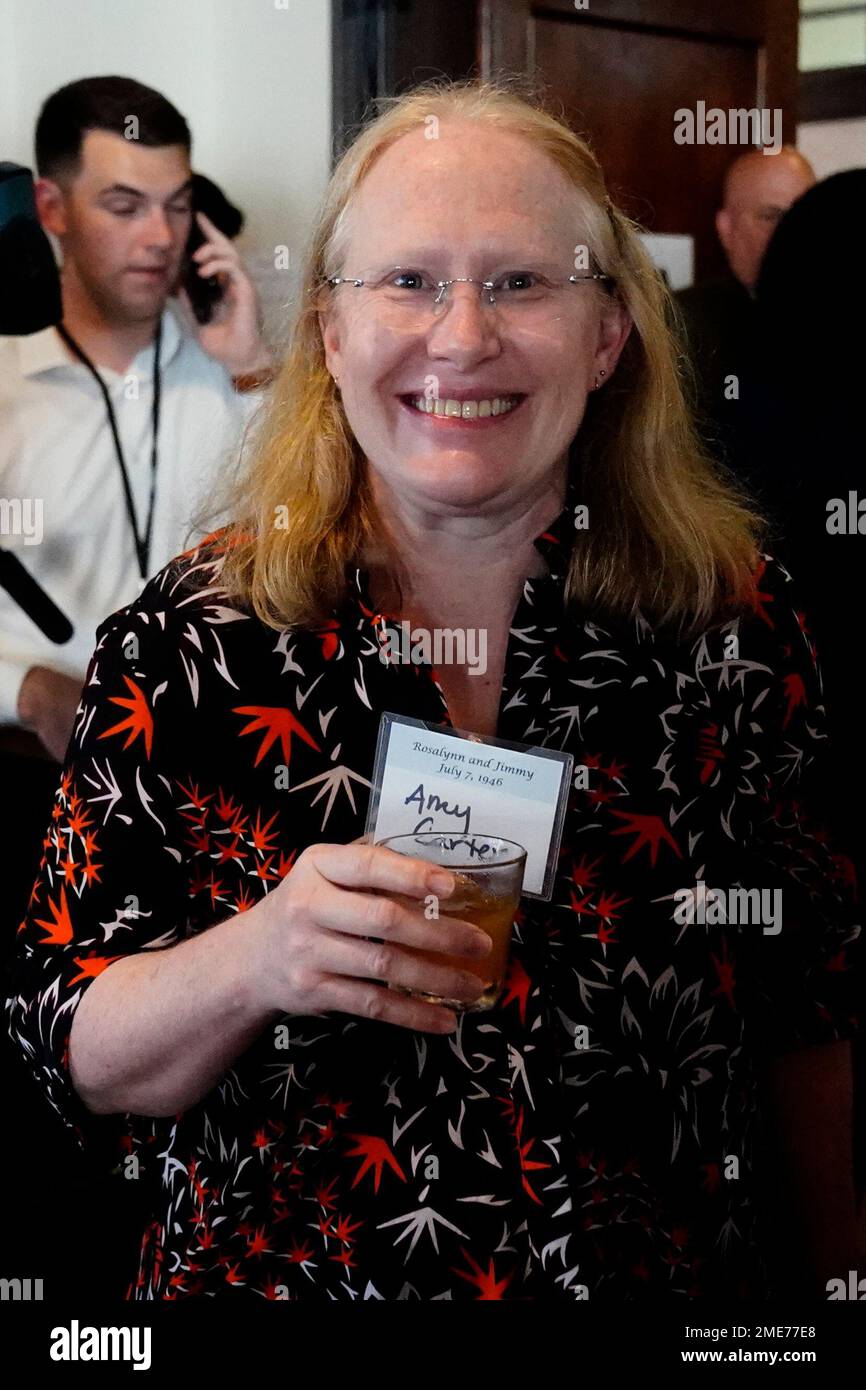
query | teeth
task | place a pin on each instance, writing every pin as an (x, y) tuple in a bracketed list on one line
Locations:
[(466, 410)]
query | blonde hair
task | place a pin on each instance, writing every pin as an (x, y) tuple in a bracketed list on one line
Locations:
[(668, 535)]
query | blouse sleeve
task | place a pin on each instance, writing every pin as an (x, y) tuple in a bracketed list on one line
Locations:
[(809, 970), (110, 881)]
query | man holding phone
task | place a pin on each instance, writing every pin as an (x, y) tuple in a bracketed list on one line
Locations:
[(117, 418), (113, 425)]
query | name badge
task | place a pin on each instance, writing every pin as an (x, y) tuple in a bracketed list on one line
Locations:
[(427, 778)]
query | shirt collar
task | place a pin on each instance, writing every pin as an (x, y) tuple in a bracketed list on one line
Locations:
[(41, 352), (45, 351)]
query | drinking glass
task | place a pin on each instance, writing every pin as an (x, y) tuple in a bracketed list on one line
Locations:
[(489, 876)]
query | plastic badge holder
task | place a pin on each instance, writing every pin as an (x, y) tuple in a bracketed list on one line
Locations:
[(541, 875)]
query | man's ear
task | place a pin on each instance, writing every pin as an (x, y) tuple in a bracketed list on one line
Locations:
[(50, 206), (723, 226)]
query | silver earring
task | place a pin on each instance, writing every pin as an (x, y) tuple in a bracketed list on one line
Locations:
[(598, 379)]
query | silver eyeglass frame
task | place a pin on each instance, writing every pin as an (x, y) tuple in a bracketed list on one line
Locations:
[(443, 285)]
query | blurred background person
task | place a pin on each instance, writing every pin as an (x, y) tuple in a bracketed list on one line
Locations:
[(801, 440), (118, 450), (759, 188), (720, 315), (116, 420)]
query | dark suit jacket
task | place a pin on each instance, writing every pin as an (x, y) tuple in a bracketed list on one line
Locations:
[(719, 321)]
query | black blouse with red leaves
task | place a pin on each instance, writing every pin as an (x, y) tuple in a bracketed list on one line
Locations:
[(594, 1134)]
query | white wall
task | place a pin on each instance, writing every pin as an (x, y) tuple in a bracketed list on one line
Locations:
[(252, 77), (832, 146)]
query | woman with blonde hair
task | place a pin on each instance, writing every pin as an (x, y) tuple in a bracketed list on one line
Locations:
[(480, 425)]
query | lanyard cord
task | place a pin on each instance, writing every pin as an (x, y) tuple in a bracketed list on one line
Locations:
[(142, 543)]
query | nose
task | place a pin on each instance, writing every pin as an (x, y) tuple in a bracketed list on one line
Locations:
[(158, 232), (464, 328)]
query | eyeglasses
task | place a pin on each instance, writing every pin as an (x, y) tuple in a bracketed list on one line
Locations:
[(413, 298)]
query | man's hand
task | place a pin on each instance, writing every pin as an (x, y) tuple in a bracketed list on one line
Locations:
[(233, 337), (47, 702)]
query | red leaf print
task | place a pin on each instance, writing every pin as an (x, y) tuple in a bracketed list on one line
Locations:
[(609, 905), (725, 971), (91, 966), (327, 634), (138, 721), (60, 930), (375, 1153), (259, 1243), (795, 692), (757, 598), (710, 752), (517, 986), (262, 835), (279, 724), (648, 830), (583, 875), (489, 1286)]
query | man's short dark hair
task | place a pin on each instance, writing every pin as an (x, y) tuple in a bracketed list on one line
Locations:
[(102, 103)]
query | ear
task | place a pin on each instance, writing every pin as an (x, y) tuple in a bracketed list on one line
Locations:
[(723, 226), (50, 206), (614, 328), (330, 331)]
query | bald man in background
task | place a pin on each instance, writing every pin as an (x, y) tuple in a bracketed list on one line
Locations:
[(720, 317)]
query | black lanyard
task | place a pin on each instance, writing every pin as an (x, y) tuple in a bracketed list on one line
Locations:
[(142, 543)]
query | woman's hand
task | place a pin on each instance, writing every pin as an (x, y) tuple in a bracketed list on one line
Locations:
[(312, 955)]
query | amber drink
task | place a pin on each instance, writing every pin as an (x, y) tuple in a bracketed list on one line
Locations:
[(488, 873)]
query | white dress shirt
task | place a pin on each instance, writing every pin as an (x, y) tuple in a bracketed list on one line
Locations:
[(56, 448)]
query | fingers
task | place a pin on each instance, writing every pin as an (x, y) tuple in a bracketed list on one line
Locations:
[(218, 255), (220, 265), (316, 931), (219, 239), (372, 866), (378, 960), (364, 914), (383, 1005)]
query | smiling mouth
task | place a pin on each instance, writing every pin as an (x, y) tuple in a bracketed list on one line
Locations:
[(448, 408)]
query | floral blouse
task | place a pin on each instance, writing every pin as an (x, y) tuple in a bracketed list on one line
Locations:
[(591, 1136)]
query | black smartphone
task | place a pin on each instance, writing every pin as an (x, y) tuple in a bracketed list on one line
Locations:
[(205, 293)]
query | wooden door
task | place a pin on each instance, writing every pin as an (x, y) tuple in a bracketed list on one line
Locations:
[(621, 69)]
